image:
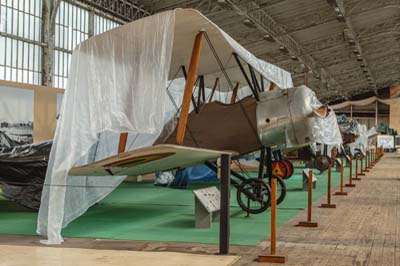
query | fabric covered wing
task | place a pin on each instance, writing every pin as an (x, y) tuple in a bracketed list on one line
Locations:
[(148, 160)]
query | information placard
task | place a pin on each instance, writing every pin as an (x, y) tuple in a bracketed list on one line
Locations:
[(209, 198)]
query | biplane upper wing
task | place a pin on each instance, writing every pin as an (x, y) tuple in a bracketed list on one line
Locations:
[(148, 160)]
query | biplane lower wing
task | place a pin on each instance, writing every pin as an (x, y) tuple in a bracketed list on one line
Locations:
[(146, 160)]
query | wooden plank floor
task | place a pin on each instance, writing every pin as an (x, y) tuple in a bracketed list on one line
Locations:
[(364, 229)]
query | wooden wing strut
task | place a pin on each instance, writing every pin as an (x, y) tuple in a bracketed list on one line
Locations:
[(187, 95), (123, 137), (234, 93)]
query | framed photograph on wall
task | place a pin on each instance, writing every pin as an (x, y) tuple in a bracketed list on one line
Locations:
[(16, 116)]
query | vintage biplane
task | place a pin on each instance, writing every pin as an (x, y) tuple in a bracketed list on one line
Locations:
[(122, 80)]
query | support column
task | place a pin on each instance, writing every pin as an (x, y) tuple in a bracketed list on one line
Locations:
[(91, 23), (49, 13)]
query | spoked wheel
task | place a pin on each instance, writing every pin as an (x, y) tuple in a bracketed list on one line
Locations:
[(281, 190), (290, 168), (253, 195)]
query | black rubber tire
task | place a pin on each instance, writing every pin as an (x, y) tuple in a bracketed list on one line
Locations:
[(243, 199)]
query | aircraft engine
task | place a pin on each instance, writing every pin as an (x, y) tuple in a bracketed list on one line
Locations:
[(285, 117)]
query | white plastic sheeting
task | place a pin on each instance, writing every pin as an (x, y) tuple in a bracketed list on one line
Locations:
[(273, 73), (326, 131), (117, 84), (113, 82), (361, 142), (372, 132)]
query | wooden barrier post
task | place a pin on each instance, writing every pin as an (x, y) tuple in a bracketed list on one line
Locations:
[(272, 257), (361, 170), (329, 204), (309, 223), (369, 160), (341, 192), (357, 173), (366, 162), (372, 157), (350, 184)]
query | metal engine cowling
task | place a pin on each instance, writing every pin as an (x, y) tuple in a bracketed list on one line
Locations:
[(286, 117)]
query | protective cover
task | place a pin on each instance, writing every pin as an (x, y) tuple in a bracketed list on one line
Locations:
[(348, 128), (22, 172), (372, 132), (196, 173), (294, 119), (361, 142), (327, 131), (117, 83)]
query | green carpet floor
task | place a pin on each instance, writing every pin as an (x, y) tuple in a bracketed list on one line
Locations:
[(141, 211)]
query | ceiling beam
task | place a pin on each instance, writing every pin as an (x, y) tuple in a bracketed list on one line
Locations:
[(252, 11), (351, 37), (127, 10)]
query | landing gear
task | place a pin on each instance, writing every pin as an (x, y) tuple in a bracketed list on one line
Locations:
[(254, 194)]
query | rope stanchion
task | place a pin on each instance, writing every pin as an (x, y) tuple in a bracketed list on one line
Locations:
[(368, 163), (341, 192), (329, 204), (350, 184), (309, 223)]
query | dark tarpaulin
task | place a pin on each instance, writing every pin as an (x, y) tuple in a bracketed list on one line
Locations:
[(22, 173)]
